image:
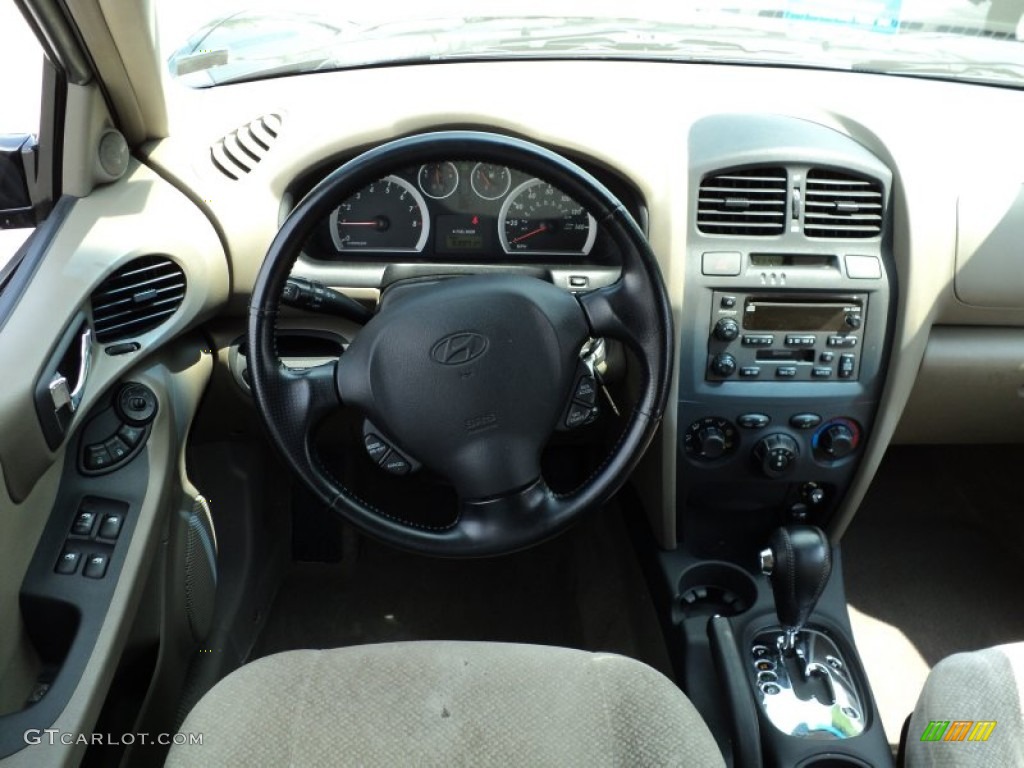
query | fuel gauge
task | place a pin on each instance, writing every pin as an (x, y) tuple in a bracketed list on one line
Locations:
[(490, 181)]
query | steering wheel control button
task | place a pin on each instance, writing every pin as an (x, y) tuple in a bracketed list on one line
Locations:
[(721, 263), (805, 420), (97, 457), (96, 566), (586, 390), (579, 415), (110, 528), (376, 447), (710, 438), (754, 420), (776, 454), (68, 562), (84, 521), (136, 405), (395, 464)]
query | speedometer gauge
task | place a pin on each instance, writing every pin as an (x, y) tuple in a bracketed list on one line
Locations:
[(388, 215), (536, 218)]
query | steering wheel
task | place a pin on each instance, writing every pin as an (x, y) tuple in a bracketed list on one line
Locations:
[(468, 375)]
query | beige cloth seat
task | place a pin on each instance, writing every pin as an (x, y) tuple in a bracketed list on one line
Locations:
[(981, 686), (446, 704)]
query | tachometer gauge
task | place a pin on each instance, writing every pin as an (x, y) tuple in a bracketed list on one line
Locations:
[(490, 181), (388, 215), (438, 180), (539, 219)]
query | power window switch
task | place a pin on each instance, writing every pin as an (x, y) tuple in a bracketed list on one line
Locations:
[(110, 528), (83, 523), (68, 561), (117, 448), (96, 566), (131, 435)]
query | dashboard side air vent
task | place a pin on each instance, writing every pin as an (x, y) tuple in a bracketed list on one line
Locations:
[(747, 202), (842, 205), (137, 298), (240, 151)]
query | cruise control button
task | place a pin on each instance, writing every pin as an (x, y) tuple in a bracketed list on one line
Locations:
[(97, 457), (395, 464), (586, 390), (68, 561), (376, 447), (110, 528), (578, 415), (83, 523), (805, 420), (95, 566)]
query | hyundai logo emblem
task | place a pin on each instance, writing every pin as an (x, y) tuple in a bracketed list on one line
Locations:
[(459, 348)]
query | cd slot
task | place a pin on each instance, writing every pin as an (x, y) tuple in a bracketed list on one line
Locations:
[(785, 356)]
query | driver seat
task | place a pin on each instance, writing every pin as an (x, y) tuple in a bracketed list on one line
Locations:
[(446, 703)]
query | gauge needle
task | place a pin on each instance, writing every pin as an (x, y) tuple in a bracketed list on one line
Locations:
[(359, 223), (531, 233)]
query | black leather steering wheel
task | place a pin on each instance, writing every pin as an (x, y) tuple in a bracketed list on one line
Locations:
[(468, 375)]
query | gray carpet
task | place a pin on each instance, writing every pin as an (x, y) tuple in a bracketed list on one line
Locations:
[(934, 564), (581, 590)]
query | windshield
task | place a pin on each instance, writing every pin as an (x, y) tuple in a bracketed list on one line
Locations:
[(223, 41)]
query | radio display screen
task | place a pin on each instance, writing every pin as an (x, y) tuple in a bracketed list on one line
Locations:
[(761, 315)]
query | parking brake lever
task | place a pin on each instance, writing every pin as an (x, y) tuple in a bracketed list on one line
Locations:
[(314, 296)]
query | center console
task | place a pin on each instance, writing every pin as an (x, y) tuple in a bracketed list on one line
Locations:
[(789, 298)]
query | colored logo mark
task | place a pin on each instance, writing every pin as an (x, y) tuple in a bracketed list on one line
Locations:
[(958, 730)]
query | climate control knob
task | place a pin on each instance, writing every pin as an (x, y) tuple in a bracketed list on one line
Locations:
[(776, 454), (837, 441), (723, 364), (710, 438), (726, 329)]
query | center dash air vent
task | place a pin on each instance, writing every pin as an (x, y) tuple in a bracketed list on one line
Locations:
[(238, 153), (137, 298), (748, 202), (842, 205)]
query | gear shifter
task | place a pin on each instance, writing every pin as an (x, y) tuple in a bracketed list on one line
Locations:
[(798, 562)]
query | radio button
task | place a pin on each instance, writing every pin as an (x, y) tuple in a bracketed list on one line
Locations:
[(801, 341), (723, 364), (726, 329), (758, 341), (805, 420), (750, 372), (785, 372), (754, 420), (728, 302), (821, 373), (847, 363), (842, 341), (827, 357)]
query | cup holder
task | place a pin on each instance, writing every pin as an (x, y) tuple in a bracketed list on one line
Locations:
[(715, 588), (833, 761)]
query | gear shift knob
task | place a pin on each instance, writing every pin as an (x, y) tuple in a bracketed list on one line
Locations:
[(798, 562)]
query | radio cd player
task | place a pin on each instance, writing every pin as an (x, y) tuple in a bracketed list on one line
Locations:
[(785, 337)]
